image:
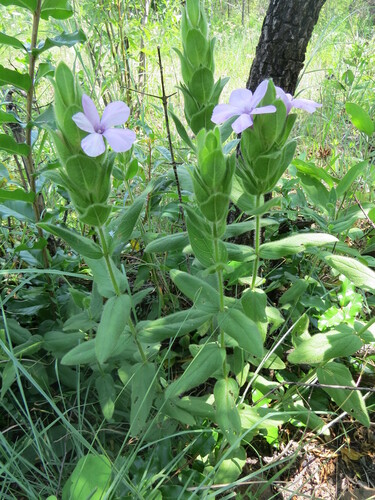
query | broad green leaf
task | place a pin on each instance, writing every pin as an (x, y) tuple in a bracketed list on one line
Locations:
[(8, 117), (238, 228), (113, 322), (63, 40), (196, 47), (360, 118), (294, 244), (231, 467), (11, 41), (11, 77), (197, 406), (299, 412), (174, 325), (315, 191), (325, 346), (84, 246), (25, 4), (204, 296), (359, 274), (102, 278), (18, 209), (105, 387), (142, 396), (58, 9), (8, 144), (206, 362), (350, 176), (61, 341), (169, 243), (350, 401), (312, 170), (91, 479), (201, 84), (293, 294), (171, 408), (17, 194), (243, 330), (81, 355), (123, 225), (17, 333), (181, 130), (32, 345), (201, 242), (227, 416)]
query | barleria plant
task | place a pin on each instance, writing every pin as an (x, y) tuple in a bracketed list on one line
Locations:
[(221, 359)]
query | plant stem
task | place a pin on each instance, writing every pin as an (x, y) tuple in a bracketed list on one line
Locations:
[(108, 261), (256, 243), (219, 273), (366, 326), (117, 289)]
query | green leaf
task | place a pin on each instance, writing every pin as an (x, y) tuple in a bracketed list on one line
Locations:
[(8, 144), (123, 226), (80, 244), (351, 402), (196, 47), (61, 341), (25, 4), (169, 243), (315, 190), (311, 170), (105, 387), (82, 354), (171, 408), (11, 41), (206, 362), (8, 117), (142, 396), (174, 325), (8, 376), (359, 274), (205, 297), (359, 118), (294, 293), (58, 9), (102, 278), (90, 479), (14, 78), (181, 130), (17, 194), (350, 176), (231, 467), (325, 346), (63, 40), (114, 320), (227, 416), (197, 406), (201, 242), (243, 330), (294, 244), (18, 209), (202, 84)]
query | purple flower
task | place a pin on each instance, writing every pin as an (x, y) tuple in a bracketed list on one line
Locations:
[(116, 113), (242, 103), (290, 102)]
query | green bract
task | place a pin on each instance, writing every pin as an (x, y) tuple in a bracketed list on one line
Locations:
[(201, 92), (265, 152)]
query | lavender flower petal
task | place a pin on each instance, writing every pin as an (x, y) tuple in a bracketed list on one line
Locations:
[(116, 113), (93, 145), (222, 113), (83, 122), (243, 122), (90, 111), (119, 139), (263, 110), (306, 105), (241, 99), (259, 93)]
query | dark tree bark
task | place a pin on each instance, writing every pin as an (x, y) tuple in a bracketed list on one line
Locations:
[(286, 31)]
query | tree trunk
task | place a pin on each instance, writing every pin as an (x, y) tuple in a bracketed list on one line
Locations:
[(281, 49)]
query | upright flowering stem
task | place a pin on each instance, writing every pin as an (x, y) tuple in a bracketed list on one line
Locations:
[(219, 274), (256, 242), (117, 289)]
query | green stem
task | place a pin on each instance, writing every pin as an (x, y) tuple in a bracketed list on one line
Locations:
[(219, 273), (257, 243), (118, 291), (366, 327), (108, 261)]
